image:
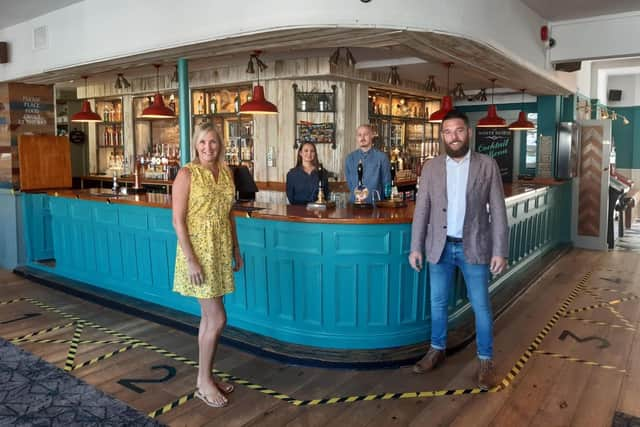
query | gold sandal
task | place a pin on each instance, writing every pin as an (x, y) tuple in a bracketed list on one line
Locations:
[(200, 395)]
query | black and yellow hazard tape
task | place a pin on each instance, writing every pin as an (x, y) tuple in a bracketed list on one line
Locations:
[(73, 347), (522, 361), (600, 323), (601, 305), (135, 343), (611, 308), (11, 301), (67, 341), (618, 291), (105, 356), (582, 361), (22, 338)]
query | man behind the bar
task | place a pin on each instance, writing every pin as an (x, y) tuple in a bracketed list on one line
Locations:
[(454, 228), (375, 165)]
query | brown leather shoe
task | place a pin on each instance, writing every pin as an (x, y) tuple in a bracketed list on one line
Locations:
[(429, 361), (486, 374)]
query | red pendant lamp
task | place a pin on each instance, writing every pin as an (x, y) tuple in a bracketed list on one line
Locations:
[(86, 115), (492, 120), (258, 103), (447, 102), (522, 123), (157, 110)]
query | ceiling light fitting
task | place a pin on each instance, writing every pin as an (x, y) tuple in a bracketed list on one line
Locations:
[(522, 123), (447, 102), (335, 57), (86, 115), (258, 103), (394, 77), (492, 120), (157, 110), (121, 82)]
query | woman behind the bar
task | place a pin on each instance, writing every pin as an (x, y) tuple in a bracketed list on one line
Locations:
[(203, 194), (302, 180)]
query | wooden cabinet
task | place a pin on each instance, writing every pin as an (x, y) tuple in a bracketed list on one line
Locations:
[(110, 137), (220, 107), (315, 117), (401, 128), (156, 141)]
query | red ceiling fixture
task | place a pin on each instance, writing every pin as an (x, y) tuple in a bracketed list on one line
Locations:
[(258, 103), (447, 102), (86, 115), (522, 123), (157, 110), (492, 120)]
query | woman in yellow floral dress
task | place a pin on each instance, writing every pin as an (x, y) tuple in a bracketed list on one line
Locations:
[(208, 252)]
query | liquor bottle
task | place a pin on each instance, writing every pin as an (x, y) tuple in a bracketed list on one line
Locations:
[(105, 114), (200, 106), (213, 105), (236, 103)]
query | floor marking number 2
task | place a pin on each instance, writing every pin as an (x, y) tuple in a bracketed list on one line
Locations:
[(129, 382), (603, 343)]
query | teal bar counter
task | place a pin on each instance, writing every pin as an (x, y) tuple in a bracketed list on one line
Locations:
[(318, 281)]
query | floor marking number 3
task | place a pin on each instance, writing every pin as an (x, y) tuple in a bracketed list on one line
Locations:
[(603, 343), (129, 382)]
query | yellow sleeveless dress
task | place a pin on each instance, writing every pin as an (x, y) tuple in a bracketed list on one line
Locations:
[(210, 232)]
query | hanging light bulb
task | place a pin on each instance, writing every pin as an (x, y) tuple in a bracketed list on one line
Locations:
[(522, 123), (157, 110), (458, 92), (430, 85), (258, 103), (86, 115), (625, 120), (492, 120), (447, 102)]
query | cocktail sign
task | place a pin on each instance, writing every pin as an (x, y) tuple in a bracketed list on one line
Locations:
[(361, 192)]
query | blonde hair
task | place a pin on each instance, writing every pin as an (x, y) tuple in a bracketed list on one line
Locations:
[(200, 131)]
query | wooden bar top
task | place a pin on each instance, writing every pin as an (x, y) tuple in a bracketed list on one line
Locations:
[(347, 215)]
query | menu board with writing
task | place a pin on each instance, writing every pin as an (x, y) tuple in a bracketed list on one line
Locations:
[(497, 143)]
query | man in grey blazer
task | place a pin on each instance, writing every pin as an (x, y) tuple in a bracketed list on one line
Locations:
[(460, 220)]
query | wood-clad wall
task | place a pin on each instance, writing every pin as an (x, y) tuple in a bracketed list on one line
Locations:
[(313, 74)]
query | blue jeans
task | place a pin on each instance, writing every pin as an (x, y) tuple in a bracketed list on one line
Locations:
[(476, 277)]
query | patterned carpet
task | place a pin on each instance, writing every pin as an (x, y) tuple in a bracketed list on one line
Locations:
[(35, 393)]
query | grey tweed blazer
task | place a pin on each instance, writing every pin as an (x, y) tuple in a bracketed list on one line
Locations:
[(485, 229)]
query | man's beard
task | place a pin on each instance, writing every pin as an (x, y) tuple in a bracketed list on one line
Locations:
[(460, 152)]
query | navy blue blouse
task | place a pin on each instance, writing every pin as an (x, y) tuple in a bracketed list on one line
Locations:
[(302, 187)]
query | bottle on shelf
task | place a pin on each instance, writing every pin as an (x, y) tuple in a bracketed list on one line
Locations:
[(236, 103), (213, 105), (200, 106), (172, 102), (105, 114)]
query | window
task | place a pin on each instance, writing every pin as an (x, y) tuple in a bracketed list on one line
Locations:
[(531, 152)]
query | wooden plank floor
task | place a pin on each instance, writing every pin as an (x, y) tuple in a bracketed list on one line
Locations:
[(586, 363)]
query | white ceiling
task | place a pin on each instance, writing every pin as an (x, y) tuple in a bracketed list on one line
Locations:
[(13, 12), (559, 10), (373, 59)]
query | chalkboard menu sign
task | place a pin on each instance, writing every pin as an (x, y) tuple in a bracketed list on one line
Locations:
[(497, 143)]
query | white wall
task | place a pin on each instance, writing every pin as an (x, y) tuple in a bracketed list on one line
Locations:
[(606, 36), (95, 30), (630, 86)]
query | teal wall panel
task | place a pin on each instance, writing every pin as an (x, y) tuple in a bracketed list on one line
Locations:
[(353, 290)]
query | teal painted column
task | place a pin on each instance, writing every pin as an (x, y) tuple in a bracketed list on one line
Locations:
[(185, 110), (548, 118), (594, 109), (568, 109)]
